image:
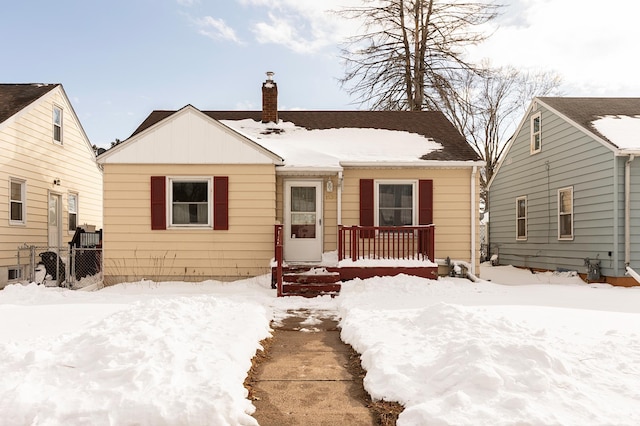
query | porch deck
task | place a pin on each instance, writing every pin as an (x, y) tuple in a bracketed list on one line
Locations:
[(363, 252)]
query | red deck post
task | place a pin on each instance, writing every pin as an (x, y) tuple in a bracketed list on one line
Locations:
[(340, 243), (354, 243)]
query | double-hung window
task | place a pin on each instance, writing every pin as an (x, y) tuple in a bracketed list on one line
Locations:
[(565, 213), (536, 133), (57, 124), (190, 202), (72, 203), (521, 218), (396, 203), (17, 202)]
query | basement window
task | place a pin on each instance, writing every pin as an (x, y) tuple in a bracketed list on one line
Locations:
[(14, 273)]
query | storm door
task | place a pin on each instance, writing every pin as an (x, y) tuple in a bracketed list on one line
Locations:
[(303, 221)]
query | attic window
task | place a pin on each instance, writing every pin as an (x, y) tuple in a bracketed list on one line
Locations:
[(57, 124), (536, 133)]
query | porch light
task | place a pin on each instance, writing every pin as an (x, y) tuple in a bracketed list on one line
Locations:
[(329, 185)]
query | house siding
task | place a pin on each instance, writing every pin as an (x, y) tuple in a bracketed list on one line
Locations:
[(451, 207), (568, 158), (133, 251), (29, 153)]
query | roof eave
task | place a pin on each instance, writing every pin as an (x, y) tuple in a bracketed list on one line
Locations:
[(413, 164)]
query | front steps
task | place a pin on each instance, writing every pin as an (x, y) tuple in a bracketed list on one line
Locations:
[(310, 282)]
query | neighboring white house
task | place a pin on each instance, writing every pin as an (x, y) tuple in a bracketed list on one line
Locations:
[(50, 182)]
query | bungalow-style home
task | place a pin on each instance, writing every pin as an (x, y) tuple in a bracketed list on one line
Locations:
[(50, 182), (566, 194), (209, 194)]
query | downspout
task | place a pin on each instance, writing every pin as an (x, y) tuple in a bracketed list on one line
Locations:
[(627, 212), (473, 219), (339, 213)]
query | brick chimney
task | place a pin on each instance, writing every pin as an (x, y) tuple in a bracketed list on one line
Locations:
[(269, 99)]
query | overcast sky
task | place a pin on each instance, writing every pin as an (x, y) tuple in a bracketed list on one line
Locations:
[(120, 59)]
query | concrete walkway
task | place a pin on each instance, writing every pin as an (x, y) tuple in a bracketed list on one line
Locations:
[(305, 380)]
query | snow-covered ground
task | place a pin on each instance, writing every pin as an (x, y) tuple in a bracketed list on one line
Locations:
[(522, 349)]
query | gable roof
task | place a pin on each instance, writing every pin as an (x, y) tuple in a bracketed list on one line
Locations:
[(15, 97), (585, 111), (210, 140), (430, 124)]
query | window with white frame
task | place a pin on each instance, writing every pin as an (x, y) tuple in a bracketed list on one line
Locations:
[(72, 205), (536, 133), (57, 124), (565, 213), (521, 218), (14, 273), (396, 203), (190, 202), (17, 202)]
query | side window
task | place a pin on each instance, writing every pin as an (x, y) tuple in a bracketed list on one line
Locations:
[(521, 218), (536, 133), (17, 202), (190, 202), (565, 213), (72, 203), (396, 203), (57, 124)]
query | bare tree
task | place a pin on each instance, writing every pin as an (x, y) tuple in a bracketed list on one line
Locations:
[(410, 49), (486, 107)]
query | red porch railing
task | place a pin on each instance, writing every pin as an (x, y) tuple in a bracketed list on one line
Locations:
[(386, 242), (278, 238)]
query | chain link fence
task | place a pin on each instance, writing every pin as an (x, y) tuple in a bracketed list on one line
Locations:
[(71, 267)]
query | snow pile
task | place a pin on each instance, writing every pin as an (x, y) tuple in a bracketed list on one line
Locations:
[(157, 360), (455, 352), (526, 348)]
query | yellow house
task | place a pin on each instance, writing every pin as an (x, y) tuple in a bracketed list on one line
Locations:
[(50, 182), (193, 194)]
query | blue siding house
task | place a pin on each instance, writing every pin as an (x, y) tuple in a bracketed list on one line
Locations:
[(566, 194)]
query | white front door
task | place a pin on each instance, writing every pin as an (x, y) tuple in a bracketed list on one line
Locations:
[(303, 221), (55, 225)]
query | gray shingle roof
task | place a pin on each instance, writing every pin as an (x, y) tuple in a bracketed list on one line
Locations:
[(15, 97), (584, 111), (431, 124)]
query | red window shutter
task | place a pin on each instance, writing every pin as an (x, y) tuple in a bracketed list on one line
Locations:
[(220, 202), (158, 203), (366, 206), (425, 202)]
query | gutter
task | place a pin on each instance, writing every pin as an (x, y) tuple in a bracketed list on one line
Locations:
[(339, 221), (473, 219), (627, 212), (409, 164)]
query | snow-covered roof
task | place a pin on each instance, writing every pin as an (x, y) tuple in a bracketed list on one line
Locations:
[(330, 140), (623, 131), (615, 121), (331, 148)]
